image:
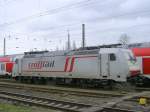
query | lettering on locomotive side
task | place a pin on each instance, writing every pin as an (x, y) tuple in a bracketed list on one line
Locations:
[(41, 64)]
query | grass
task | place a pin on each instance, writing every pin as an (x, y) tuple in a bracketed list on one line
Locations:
[(14, 108), (4, 107)]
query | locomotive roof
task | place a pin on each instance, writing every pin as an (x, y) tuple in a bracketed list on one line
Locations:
[(35, 52), (60, 53), (44, 53), (80, 51), (101, 46)]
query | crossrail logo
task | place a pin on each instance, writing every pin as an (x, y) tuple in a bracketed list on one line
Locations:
[(41, 64)]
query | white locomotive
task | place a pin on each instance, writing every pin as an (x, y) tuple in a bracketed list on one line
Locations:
[(77, 66)]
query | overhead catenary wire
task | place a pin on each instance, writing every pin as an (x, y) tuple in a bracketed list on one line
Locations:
[(48, 12), (74, 5), (131, 14), (56, 10), (89, 30), (98, 32), (97, 19), (65, 26)]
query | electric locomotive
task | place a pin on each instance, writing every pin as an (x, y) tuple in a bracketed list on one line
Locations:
[(82, 67)]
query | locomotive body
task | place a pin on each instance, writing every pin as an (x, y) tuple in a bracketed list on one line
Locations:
[(112, 64)]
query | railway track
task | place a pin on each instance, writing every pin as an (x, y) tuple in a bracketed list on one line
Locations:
[(59, 90), (64, 105), (142, 88), (3, 80), (112, 105), (60, 104), (44, 102), (110, 109), (56, 89)]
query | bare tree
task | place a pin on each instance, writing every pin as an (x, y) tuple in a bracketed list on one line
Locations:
[(124, 39)]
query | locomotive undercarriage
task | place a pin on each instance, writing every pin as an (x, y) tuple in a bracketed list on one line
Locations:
[(74, 82), (139, 81), (87, 83)]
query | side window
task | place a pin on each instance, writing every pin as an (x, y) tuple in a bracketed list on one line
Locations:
[(112, 57)]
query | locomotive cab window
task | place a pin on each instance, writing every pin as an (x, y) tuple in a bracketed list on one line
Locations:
[(112, 57)]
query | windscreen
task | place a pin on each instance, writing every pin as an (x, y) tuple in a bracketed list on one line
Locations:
[(130, 56)]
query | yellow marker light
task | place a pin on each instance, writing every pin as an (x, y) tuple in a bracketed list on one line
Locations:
[(143, 101)]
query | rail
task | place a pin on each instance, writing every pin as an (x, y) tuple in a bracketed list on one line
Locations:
[(59, 90), (44, 102), (110, 109)]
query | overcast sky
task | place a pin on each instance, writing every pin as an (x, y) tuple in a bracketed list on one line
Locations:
[(43, 24)]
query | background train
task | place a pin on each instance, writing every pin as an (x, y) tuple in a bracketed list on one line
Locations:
[(143, 60), (6, 65), (88, 66)]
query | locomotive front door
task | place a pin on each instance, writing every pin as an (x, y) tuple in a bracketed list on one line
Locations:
[(104, 65), (2, 68)]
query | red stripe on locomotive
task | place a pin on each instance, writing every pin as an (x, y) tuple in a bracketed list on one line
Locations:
[(66, 64), (72, 63)]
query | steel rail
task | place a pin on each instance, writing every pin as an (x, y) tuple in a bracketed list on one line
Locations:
[(62, 91), (110, 109), (55, 104), (142, 89), (44, 102), (112, 103)]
